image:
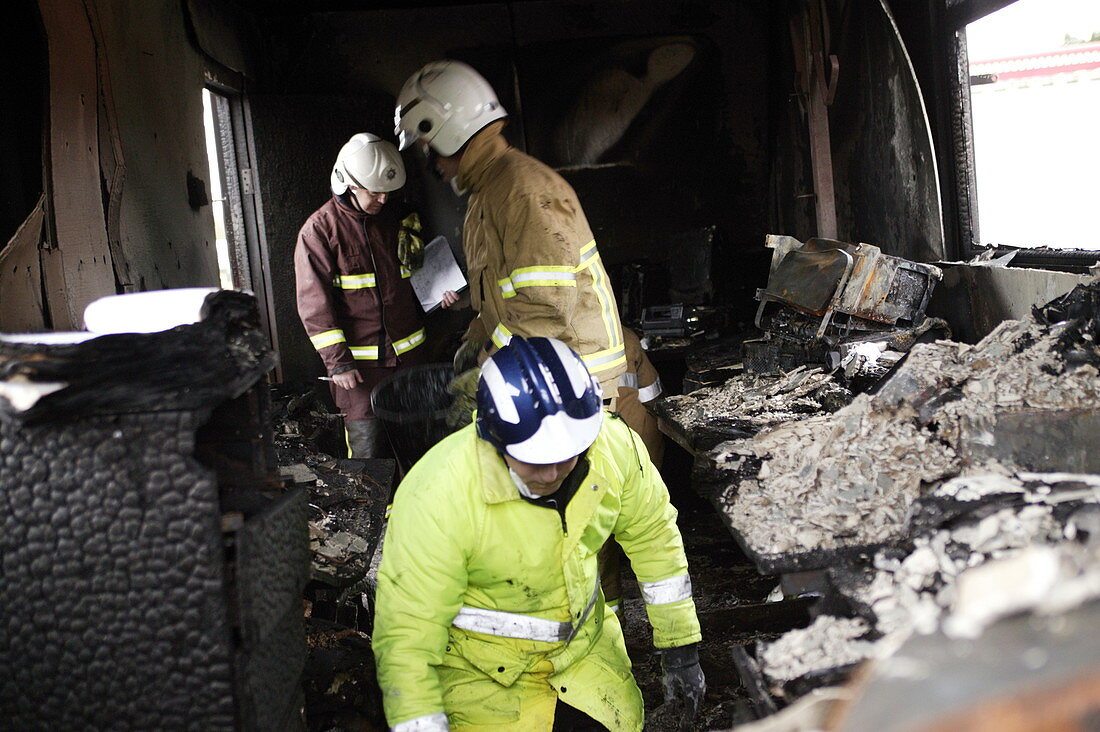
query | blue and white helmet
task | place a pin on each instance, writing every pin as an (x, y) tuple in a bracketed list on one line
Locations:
[(537, 402)]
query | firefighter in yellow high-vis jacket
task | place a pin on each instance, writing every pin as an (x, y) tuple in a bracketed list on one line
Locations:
[(532, 261), (489, 608)]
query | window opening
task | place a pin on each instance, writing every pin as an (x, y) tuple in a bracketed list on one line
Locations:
[(217, 191), (1035, 99)]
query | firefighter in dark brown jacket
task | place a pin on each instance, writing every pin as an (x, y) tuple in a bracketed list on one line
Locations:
[(354, 295)]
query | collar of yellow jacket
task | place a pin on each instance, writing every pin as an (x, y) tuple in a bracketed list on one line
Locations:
[(496, 484), (480, 154)]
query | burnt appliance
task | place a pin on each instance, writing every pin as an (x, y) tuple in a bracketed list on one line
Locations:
[(825, 298), (153, 562)]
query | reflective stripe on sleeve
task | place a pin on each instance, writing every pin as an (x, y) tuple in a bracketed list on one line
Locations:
[(406, 273), (544, 276), (364, 353), (651, 392), (507, 290), (590, 259), (668, 590), (353, 282), (511, 625), (603, 360), (327, 338), (501, 335), (407, 344), (429, 723), (629, 380)]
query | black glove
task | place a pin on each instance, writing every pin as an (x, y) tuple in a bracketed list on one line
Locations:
[(683, 681)]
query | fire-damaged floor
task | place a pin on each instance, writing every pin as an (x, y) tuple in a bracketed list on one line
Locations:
[(955, 504), (345, 510), (730, 597)]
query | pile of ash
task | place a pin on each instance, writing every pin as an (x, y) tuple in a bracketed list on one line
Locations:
[(751, 402), (982, 546), (847, 481)]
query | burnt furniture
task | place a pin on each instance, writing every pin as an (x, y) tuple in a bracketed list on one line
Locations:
[(152, 564)]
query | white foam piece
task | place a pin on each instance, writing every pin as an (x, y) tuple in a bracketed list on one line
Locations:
[(52, 338), (146, 312)]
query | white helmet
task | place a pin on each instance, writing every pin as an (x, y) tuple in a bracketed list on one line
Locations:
[(445, 104), (367, 161)]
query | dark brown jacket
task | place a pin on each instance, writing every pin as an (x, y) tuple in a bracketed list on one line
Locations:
[(354, 297)]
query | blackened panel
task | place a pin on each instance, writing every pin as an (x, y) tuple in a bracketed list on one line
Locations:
[(272, 566), (887, 187), (111, 588)]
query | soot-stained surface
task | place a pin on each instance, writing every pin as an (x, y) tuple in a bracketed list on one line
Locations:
[(111, 589)]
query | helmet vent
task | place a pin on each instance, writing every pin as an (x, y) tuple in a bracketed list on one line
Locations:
[(425, 125)]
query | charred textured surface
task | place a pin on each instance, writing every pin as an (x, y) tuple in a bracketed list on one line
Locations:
[(112, 587), (188, 367), (272, 565), (148, 581)]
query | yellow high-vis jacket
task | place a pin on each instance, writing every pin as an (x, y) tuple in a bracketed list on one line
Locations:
[(489, 607), (531, 257)]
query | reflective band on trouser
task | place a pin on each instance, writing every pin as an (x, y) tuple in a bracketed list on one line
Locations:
[(668, 590), (364, 353), (407, 344), (430, 723), (353, 282), (590, 259), (511, 625), (603, 360), (629, 380), (651, 392), (327, 338), (501, 335)]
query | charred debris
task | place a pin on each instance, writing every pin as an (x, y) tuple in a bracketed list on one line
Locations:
[(915, 487), (907, 493)]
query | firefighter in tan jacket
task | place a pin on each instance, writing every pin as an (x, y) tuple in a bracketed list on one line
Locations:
[(532, 261)]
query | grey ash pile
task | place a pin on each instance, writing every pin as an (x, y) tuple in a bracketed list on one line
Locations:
[(848, 480), (982, 547)]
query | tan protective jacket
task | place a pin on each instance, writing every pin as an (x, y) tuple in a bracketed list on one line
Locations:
[(532, 260)]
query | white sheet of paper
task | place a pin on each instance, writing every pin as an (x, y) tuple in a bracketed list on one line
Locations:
[(439, 274)]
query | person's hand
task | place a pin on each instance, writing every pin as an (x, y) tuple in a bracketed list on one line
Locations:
[(683, 681), (450, 297), (348, 379)]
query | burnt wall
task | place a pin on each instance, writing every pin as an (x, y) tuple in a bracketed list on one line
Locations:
[(108, 125), (656, 112), (151, 81)]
